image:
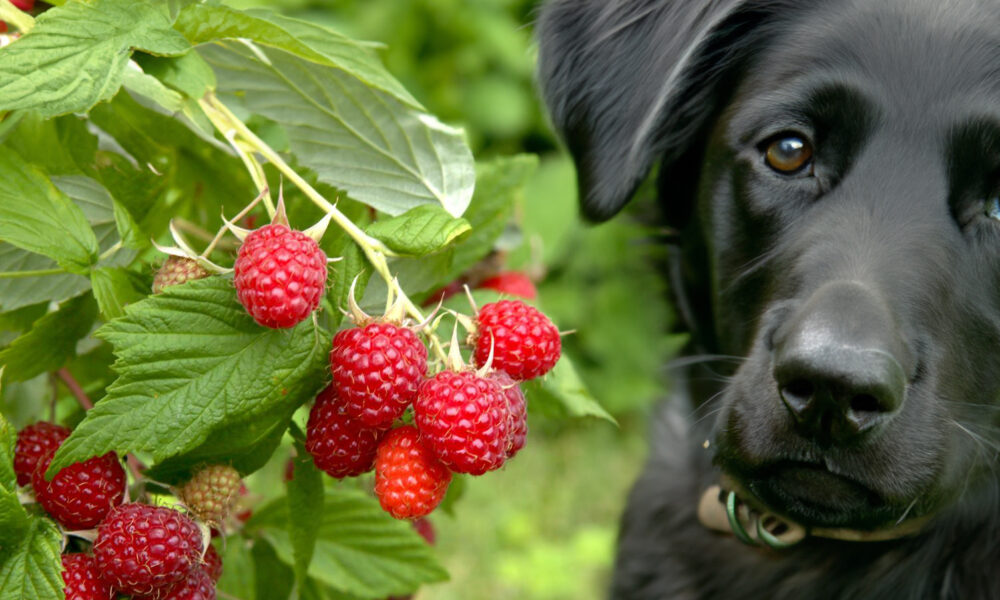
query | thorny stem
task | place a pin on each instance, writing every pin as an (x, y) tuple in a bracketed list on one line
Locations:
[(243, 139), (81, 396)]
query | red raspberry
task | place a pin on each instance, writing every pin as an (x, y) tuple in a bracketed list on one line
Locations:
[(376, 371), (212, 563), (463, 419), (517, 412), (525, 342), (82, 580), (34, 442), (80, 495), (409, 481), (340, 445), (198, 585), (280, 275), (513, 283), (211, 492), (143, 550), (177, 270)]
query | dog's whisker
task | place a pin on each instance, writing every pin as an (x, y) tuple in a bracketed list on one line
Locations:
[(909, 508), (698, 359)]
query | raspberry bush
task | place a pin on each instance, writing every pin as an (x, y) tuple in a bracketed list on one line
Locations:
[(192, 200)]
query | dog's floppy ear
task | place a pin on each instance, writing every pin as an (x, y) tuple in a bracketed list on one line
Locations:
[(629, 81)]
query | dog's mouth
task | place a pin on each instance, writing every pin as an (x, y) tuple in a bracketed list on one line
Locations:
[(813, 495)]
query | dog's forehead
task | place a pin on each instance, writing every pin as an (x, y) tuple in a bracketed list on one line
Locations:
[(926, 51)]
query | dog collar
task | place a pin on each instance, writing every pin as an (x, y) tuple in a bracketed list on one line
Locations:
[(721, 509)]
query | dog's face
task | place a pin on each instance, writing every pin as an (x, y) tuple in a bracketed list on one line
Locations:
[(851, 190), (844, 165)]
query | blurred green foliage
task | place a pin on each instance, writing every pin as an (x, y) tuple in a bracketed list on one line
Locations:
[(544, 527)]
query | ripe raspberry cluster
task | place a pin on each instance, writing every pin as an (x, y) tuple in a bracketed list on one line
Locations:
[(464, 420), (147, 552)]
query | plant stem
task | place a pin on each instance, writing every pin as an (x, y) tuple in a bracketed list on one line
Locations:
[(10, 13), (35, 273), (134, 466), (75, 388), (256, 171), (234, 130), (110, 251), (228, 124)]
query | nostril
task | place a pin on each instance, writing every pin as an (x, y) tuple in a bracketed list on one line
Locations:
[(865, 403), (798, 396), (798, 389)]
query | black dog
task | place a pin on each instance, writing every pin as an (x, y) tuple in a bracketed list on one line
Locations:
[(833, 167)]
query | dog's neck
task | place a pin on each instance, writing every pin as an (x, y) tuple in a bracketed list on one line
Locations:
[(722, 508)]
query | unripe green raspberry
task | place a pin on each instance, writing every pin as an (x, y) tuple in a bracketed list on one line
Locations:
[(211, 493), (177, 270)]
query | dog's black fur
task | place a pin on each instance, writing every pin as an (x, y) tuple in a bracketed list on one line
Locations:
[(886, 244)]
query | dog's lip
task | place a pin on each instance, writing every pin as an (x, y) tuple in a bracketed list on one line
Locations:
[(812, 493)]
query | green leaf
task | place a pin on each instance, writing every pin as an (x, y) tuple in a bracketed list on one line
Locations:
[(196, 373), (36, 216), (22, 318), (115, 288), (419, 231), (499, 184), (360, 549), (142, 84), (32, 569), (187, 73), (353, 267), (8, 439), (128, 229), (562, 393), (202, 23), (99, 208), (60, 146), (51, 340), (383, 152), (238, 572), (76, 55), (17, 292), (274, 579), (13, 518), (101, 212), (305, 509)]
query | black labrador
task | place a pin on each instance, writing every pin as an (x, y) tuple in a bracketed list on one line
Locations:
[(833, 170)]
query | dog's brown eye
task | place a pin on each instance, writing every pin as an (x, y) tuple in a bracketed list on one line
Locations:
[(788, 154)]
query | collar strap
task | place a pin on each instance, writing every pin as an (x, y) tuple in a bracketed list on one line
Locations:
[(726, 512)]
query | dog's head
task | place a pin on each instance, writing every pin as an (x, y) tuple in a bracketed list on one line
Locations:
[(837, 163)]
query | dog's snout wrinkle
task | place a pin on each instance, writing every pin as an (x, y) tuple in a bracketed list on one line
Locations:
[(836, 366)]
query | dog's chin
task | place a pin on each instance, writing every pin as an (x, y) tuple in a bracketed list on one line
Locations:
[(813, 496)]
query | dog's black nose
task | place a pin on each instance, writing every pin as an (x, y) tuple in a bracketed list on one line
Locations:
[(837, 363)]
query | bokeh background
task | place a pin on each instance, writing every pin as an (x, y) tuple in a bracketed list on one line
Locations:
[(544, 527)]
